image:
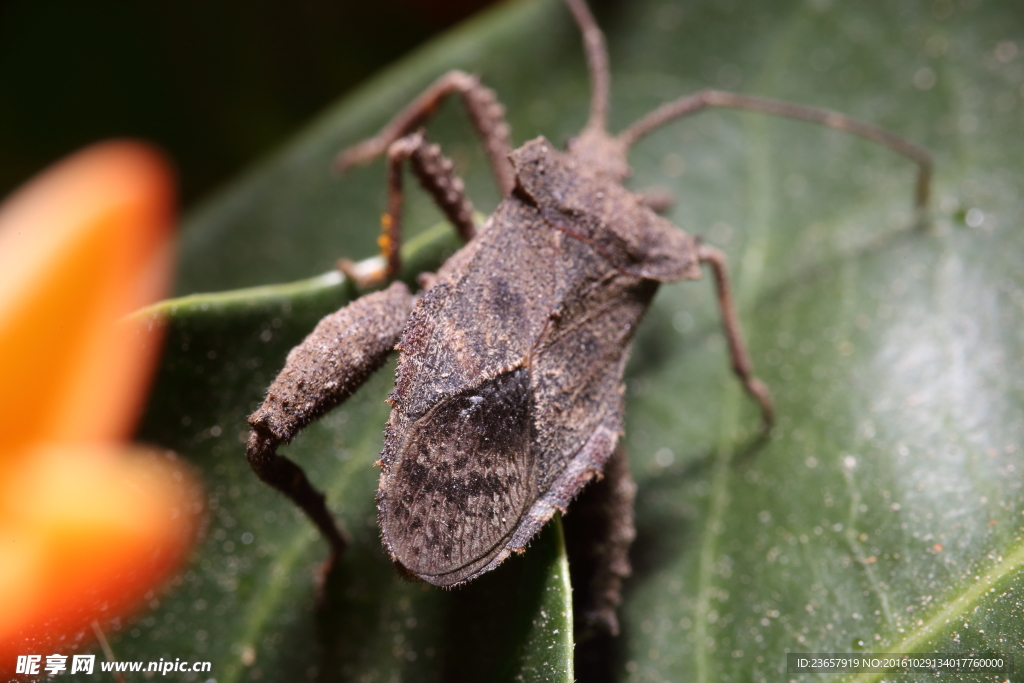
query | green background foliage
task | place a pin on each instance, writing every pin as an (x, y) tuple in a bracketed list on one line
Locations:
[(216, 83), (885, 513)]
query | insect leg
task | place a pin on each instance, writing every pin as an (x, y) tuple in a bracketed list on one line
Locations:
[(436, 176), (599, 532), (486, 113), (741, 364), (323, 371), (704, 99)]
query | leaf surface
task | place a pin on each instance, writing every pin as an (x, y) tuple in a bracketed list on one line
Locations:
[(885, 513)]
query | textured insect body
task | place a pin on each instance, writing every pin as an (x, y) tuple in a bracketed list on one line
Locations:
[(508, 396)]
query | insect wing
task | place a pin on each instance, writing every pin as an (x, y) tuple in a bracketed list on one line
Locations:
[(463, 478)]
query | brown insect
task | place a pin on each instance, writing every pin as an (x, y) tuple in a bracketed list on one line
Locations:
[(508, 397)]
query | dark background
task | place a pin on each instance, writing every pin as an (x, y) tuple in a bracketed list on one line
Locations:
[(216, 84)]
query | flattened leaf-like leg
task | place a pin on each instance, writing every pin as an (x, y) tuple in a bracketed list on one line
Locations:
[(741, 364), (599, 532), (323, 371)]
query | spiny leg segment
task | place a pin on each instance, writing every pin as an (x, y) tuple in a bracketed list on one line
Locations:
[(436, 175), (434, 171)]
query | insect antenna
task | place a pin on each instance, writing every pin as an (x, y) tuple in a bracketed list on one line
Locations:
[(597, 63), (707, 99)]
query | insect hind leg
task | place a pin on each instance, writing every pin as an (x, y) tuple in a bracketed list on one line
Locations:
[(436, 175)]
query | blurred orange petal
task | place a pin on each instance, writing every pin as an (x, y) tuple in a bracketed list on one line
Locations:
[(82, 245), (86, 533), (87, 525)]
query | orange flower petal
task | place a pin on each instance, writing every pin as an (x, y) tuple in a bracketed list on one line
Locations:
[(87, 527), (82, 245), (86, 533)]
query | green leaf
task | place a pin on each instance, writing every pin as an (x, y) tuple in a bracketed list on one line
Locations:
[(885, 513)]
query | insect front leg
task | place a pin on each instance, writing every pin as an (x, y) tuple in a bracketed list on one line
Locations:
[(741, 364), (320, 373), (436, 175)]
